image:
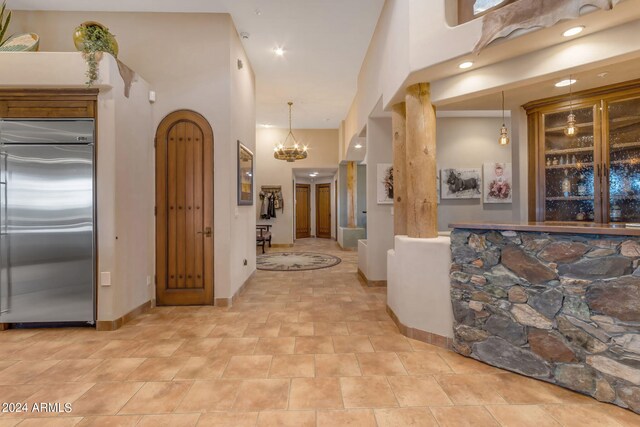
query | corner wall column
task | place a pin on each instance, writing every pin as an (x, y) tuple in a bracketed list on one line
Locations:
[(422, 201), (399, 125), (352, 176)]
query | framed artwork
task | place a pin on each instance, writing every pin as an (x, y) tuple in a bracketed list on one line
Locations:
[(245, 175), (457, 183), (498, 186), (438, 183), (385, 183)]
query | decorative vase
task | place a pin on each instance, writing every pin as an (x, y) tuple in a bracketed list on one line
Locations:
[(78, 37), (28, 42)]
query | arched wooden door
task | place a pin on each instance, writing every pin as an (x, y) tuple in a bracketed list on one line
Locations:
[(184, 210)]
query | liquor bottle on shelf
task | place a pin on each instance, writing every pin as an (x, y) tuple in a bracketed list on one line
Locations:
[(574, 160), (582, 185), (566, 184), (549, 161), (616, 213)]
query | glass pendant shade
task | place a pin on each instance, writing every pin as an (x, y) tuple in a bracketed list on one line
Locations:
[(290, 153), (571, 129), (504, 136), (504, 133)]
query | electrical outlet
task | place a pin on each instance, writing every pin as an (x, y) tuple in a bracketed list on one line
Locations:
[(105, 278)]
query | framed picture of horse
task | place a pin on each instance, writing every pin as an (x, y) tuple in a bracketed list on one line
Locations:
[(459, 183)]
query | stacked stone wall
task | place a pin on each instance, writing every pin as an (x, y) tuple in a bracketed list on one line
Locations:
[(561, 308)]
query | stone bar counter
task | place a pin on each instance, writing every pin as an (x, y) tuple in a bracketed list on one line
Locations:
[(556, 302)]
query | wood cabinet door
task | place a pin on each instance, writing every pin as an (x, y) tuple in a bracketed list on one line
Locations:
[(323, 211), (570, 166), (184, 222), (621, 158), (48, 103), (303, 211), (599, 161)]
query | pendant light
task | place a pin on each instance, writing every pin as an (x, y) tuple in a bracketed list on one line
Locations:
[(504, 133), (292, 152), (571, 129)]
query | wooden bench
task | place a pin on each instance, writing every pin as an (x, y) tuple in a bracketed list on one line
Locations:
[(263, 235)]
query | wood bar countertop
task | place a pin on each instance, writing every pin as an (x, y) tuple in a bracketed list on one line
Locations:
[(553, 227)]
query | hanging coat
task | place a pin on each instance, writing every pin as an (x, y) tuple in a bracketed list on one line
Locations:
[(272, 208), (264, 207)]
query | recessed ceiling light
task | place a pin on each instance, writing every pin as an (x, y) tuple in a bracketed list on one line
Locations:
[(358, 146), (573, 31), (465, 65), (279, 51), (266, 125), (566, 82)]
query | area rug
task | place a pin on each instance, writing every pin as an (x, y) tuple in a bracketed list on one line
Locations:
[(296, 261)]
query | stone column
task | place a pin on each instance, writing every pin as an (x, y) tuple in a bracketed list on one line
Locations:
[(352, 186), (399, 124), (422, 203)]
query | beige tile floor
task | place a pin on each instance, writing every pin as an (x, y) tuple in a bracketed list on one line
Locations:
[(311, 348)]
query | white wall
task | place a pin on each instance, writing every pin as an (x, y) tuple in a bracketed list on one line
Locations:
[(243, 122), (134, 197), (379, 217), (200, 75), (465, 142), (323, 153), (418, 287)]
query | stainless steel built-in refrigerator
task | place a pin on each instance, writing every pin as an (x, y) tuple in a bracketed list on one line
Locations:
[(47, 232)]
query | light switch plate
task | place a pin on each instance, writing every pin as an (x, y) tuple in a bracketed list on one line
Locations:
[(105, 278)]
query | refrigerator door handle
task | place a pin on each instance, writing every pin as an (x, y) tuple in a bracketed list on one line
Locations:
[(4, 235)]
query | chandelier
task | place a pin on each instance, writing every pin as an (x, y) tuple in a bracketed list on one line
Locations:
[(293, 152)]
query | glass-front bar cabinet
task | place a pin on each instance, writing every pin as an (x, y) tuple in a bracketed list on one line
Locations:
[(584, 156)]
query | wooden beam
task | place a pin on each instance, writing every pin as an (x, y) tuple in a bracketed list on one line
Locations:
[(399, 125), (422, 203), (352, 185)]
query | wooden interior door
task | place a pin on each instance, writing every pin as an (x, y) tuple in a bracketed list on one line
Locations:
[(323, 211), (303, 211), (184, 211)]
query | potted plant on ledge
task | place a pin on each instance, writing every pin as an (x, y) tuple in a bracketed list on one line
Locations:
[(92, 39), (4, 25)]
